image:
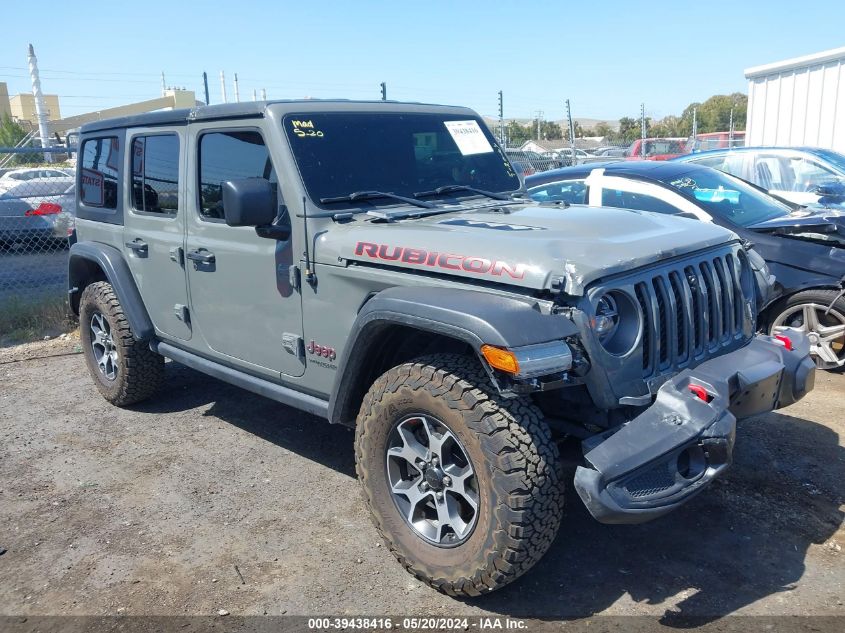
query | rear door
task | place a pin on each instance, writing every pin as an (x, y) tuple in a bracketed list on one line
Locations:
[(154, 225), (242, 302)]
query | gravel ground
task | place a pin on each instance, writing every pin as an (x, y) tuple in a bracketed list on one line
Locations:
[(213, 498)]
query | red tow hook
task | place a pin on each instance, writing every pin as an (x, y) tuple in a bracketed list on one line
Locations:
[(700, 392), (785, 340)]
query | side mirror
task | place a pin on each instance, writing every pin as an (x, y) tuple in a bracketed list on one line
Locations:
[(830, 189), (249, 202)]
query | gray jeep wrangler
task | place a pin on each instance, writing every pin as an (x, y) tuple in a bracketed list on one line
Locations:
[(378, 265)]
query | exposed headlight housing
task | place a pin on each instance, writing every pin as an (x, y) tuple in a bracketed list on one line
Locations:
[(617, 322)]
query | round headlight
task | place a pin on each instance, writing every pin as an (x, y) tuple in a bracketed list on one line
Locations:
[(616, 322)]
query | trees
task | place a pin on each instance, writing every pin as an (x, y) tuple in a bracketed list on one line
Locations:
[(10, 134)]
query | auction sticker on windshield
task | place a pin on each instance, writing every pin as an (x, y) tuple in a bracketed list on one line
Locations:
[(468, 137)]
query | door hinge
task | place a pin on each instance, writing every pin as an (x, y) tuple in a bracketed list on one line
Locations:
[(181, 312), (293, 277), (177, 254), (293, 344)]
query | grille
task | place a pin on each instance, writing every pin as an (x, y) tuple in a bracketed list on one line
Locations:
[(691, 310), (651, 482)]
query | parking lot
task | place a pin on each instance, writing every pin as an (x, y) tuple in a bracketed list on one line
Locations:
[(212, 498)]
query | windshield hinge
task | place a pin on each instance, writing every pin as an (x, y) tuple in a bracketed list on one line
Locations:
[(293, 277)]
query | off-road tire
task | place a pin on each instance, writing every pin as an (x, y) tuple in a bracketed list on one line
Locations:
[(140, 371), (517, 465)]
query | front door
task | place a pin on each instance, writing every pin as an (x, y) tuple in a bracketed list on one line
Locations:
[(242, 301), (154, 225)]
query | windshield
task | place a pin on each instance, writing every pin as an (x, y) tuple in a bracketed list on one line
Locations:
[(339, 153), (724, 196)]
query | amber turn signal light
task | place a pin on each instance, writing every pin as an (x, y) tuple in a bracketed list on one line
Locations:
[(501, 359)]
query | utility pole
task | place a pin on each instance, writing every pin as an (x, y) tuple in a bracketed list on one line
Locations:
[(264, 94), (539, 119), (163, 84), (383, 91), (237, 92), (694, 125), (642, 129), (731, 129), (501, 119), (205, 85), (571, 130), (223, 86), (40, 109)]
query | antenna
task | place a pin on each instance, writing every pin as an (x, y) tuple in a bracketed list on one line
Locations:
[(310, 277)]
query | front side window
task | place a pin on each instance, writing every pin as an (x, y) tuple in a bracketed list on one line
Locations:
[(229, 155), (339, 153), (98, 172), (155, 173)]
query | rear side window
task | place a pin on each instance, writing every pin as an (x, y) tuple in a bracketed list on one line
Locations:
[(98, 173), (229, 156), (636, 201), (155, 173), (571, 191)]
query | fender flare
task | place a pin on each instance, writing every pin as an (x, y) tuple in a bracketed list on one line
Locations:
[(472, 317), (111, 261)]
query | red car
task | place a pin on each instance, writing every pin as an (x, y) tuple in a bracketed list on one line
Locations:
[(656, 149)]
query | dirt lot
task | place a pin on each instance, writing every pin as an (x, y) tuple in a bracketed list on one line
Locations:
[(213, 498)]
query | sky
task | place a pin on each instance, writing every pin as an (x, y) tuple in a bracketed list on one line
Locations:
[(605, 57)]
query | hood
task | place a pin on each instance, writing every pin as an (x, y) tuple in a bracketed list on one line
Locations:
[(532, 246), (816, 223)]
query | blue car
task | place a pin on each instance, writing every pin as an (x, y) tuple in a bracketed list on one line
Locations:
[(802, 175)]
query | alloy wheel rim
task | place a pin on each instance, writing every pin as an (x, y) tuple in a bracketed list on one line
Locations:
[(432, 480), (103, 347), (824, 327)]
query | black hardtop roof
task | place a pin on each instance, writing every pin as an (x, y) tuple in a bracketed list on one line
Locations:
[(247, 109)]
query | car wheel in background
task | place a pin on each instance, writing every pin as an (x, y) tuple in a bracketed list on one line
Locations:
[(821, 314)]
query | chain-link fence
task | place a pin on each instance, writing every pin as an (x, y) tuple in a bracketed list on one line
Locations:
[(36, 218)]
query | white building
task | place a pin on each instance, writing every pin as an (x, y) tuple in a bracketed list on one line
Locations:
[(798, 101)]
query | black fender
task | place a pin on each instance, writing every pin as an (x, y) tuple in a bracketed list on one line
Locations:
[(472, 317), (116, 271)]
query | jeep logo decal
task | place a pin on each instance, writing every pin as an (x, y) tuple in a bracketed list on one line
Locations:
[(321, 350), (446, 261)]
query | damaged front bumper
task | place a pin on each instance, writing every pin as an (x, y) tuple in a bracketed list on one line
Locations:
[(684, 440)]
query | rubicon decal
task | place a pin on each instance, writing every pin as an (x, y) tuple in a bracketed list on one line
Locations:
[(443, 261)]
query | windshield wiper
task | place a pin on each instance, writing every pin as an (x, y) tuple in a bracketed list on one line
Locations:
[(453, 188), (355, 196)]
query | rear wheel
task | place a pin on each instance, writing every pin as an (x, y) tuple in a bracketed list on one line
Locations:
[(124, 370), (821, 314), (464, 486)]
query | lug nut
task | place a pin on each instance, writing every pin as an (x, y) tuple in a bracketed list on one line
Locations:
[(434, 461), (439, 496), (424, 485), (447, 480)]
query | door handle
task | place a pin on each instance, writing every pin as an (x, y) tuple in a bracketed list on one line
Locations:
[(201, 256), (139, 246)]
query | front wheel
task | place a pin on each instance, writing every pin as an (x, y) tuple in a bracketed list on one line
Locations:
[(821, 314), (464, 486)]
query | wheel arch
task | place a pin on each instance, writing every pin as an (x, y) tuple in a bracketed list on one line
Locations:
[(90, 262), (402, 323)]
